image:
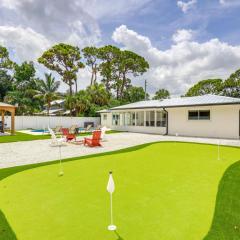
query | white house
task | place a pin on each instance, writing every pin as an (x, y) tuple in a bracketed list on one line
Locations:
[(201, 116)]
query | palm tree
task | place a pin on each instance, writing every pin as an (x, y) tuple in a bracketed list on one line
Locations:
[(47, 90), (80, 102), (98, 94)]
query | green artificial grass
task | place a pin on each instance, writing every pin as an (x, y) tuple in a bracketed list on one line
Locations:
[(22, 137), (163, 191), (19, 136), (226, 221)]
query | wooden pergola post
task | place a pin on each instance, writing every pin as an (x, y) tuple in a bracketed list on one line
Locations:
[(13, 122), (8, 108), (3, 120)]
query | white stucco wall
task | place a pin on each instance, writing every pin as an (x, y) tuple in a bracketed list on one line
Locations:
[(108, 122), (223, 123), (41, 122)]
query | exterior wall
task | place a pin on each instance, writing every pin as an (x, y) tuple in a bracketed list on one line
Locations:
[(121, 127), (108, 122), (223, 123), (141, 129), (39, 122)]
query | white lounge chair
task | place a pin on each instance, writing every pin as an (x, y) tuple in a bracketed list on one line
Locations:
[(56, 142), (103, 134)]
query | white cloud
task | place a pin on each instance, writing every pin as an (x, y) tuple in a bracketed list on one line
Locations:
[(182, 35), (186, 6), (229, 2), (184, 63), (24, 42)]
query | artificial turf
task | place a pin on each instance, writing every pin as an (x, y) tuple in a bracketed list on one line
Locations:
[(226, 221), (19, 136), (163, 191)]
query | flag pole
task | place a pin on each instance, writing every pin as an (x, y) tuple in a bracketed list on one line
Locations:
[(111, 209), (110, 189)]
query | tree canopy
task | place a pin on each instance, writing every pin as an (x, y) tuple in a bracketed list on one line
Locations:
[(231, 87), (209, 86), (65, 60), (161, 94)]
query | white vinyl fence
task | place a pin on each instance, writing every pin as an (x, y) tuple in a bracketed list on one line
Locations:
[(42, 122)]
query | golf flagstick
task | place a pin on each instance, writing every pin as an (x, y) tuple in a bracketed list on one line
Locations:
[(110, 189)]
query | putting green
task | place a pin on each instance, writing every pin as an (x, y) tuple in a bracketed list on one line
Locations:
[(163, 191)]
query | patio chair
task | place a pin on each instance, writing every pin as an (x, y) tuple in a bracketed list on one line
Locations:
[(56, 142), (94, 141), (68, 136), (73, 129), (103, 134), (57, 130), (87, 129)]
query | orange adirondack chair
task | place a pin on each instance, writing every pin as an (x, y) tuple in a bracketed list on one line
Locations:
[(95, 140), (68, 136)]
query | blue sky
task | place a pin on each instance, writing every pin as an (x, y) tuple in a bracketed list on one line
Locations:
[(184, 40), (160, 19)]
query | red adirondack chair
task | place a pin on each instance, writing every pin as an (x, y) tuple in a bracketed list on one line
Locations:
[(67, 135), (95, 140)]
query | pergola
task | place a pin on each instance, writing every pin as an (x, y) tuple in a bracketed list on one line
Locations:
[(4, 107)]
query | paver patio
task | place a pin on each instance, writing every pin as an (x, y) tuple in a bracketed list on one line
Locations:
[(22, 153)]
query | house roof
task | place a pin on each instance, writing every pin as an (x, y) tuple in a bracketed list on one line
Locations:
[(204, 100), (104, 111)]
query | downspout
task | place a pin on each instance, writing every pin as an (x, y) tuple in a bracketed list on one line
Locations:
[(166, 121)]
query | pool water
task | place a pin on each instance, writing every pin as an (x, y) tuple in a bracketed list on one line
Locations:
[(39, 130)]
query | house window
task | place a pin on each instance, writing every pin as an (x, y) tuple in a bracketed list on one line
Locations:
[(139, 118), (104, 117), (150, 118), (161, 119), (204, 114), (199, 115), (115, 119)]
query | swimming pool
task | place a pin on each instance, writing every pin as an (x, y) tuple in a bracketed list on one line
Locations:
[(39, 131)]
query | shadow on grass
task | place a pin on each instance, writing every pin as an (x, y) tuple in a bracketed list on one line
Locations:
[(226, 220), (6, 232), (118, 236)]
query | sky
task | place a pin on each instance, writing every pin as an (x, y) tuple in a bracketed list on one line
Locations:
[(184, 41)]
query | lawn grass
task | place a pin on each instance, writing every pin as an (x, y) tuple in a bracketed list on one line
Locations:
[(19, 136), (226, 221), (163, 191)]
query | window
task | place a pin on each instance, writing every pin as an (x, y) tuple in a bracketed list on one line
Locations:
[(204, 115), (127, 119), (133, 119), (115, 119), (199, 115), (150, 119), (104, 117), (139, 118), (192, 115), (161, 119)]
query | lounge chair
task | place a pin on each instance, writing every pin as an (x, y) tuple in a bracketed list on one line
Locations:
[(103, 133), (68, 136), (56, 141), (57, 130), (87, 129), (94, 141), (73, 129)]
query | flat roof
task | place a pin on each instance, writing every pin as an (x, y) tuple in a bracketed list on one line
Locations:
[(205, 100)]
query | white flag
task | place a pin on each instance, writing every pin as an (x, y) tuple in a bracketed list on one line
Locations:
[(110, 185)]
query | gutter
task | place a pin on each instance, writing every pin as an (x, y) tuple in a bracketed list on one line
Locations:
[(166, 121)]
